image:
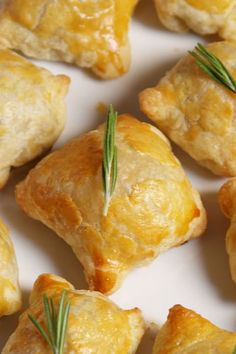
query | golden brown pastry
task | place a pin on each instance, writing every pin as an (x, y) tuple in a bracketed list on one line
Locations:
[(186, 332), (227, 201), (32, 111), (10, 294), (153, 208), (96, 325), (196, 112), (91, 34), (202, 16)]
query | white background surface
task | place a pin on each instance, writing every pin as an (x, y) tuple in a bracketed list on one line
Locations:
[(196, 274)]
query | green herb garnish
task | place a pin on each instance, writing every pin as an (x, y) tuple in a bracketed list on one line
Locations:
[(213, 67), (56, 323), (234, 352), (109, 170)]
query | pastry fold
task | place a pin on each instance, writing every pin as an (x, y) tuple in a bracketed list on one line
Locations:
[(201, 16), (95, 325), (196, 112), (91, 34), (153, 208), (227, 202), (32, 110), (10, 294), (186, 332)]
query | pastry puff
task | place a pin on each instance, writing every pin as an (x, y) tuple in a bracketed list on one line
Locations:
[(96, 325), (196, 112), (10, 294), (32, 110), (153, 208), (186, 332), (91, 34), (227, 201), (202, 16)]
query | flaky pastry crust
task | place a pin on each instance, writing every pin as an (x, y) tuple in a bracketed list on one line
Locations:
[(196, 112), (32, 111), (96, 325), (186, 332), (153, 208), (10, 294), (202, 16), (91, 34), (227, 202)]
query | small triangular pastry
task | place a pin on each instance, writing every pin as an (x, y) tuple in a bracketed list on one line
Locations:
[(96, 325), (153, 208), (10, 294), (186, 332), (227, 201), (91, 34), (32, 110), (196, 112), (201, 16)]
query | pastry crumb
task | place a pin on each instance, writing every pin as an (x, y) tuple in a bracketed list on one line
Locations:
[(101, 107)]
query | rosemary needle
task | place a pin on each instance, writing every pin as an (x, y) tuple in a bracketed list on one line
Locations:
[(109, 169), (56, 323), (213, 67)]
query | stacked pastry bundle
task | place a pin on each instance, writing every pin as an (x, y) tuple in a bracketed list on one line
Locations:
[(112, 221)]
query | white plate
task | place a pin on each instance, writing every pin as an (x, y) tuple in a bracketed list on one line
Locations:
[(196, 274)]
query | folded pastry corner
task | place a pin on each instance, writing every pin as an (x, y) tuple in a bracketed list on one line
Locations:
[(95, 325), (91, 34), (202, 16), (153, 208), (187, 332), (196, 112), (32, 113), (227, 202), (10, 293)]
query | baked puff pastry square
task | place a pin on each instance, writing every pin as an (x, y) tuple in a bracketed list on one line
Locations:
[(202, 16), (227, 202), (96, 325), (154, 207), (91, 34), (186, 332), (196, 112), (10, 294), (32, 111)]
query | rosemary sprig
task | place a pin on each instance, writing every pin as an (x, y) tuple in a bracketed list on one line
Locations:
[(213, 66), (109, 170), (56, 323)]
